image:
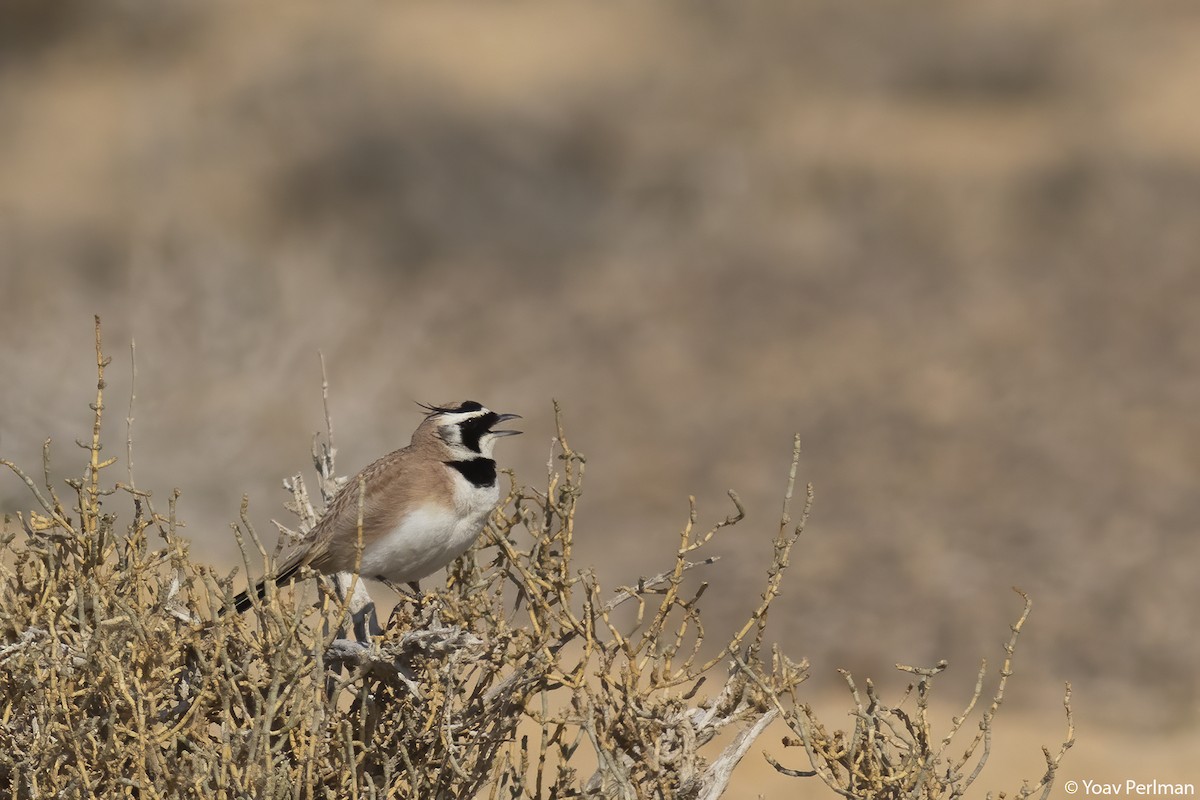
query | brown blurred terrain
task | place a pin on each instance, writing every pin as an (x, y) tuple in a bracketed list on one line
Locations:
[(954, 246)]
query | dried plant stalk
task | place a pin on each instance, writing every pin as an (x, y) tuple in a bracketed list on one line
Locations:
[(519, 677)]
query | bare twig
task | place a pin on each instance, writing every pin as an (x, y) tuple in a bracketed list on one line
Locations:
[(516, 672)]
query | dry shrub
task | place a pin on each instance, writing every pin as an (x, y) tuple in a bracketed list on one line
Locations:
[(121, 674)]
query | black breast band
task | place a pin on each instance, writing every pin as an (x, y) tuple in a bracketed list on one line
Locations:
[(479, 471)]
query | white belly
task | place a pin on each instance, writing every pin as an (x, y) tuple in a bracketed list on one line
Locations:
[(430, 537)]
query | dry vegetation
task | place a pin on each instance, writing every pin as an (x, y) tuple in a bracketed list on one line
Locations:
[(955, 249), (519, 677)]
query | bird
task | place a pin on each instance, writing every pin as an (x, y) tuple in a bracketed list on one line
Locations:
[(422, 505)]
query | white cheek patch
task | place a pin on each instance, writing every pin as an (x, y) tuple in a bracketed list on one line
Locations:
[(487, 445), (450, 434)]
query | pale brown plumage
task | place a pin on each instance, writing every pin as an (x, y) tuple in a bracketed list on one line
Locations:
[(390, 488)]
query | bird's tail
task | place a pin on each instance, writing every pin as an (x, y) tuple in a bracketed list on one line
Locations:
[(244, 601)]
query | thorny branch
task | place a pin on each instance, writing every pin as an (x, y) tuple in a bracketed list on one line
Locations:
[(892, 753), (503, 682)]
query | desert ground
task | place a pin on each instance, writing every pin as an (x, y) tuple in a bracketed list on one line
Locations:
[(953, 246)]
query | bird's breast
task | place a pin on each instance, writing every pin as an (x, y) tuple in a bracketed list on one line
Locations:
[(431, 535), (422, 542), (470, 498)]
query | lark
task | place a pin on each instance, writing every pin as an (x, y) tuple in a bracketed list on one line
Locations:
[(422, 505)]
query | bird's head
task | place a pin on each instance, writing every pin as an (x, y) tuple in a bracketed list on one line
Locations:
[(467, 429)]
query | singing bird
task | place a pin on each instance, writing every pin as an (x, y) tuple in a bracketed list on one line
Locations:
[(422, 505)]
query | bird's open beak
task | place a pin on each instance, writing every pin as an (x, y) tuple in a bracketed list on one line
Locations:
[(504, 418)]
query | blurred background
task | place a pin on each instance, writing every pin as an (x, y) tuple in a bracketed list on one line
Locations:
[(954, 246)]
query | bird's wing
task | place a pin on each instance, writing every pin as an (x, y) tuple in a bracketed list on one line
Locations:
[(373, 492)]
